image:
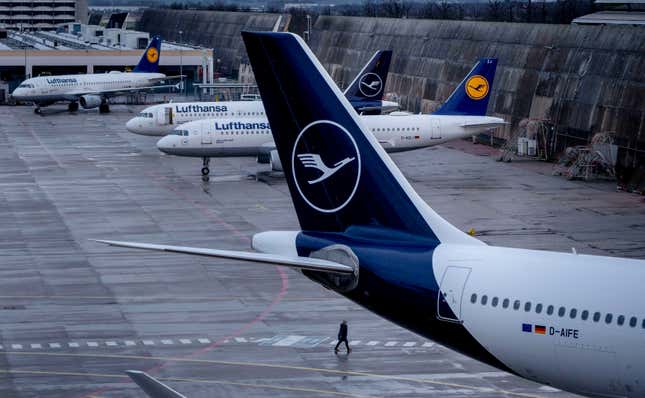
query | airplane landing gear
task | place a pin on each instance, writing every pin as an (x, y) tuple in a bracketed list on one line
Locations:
[(104, 108), (37, 110), (72, 107), (205, 169)]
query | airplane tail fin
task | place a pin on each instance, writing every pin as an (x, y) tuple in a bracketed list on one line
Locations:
[(338, 174), (473, 93), (369, 84), (149, 62)]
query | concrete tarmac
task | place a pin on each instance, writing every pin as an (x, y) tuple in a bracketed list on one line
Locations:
[(76, 314)]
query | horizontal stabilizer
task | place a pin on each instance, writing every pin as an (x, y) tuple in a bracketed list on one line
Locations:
[(151, 386), (486, 125), (305, 263)]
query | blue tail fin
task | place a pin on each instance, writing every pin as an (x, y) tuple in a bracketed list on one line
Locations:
[(369, 84), (149, 61), (338, 174), (472, 95)]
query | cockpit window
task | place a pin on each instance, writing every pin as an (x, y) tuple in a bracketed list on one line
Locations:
[(26, 85), (146, 115), (181, 132)]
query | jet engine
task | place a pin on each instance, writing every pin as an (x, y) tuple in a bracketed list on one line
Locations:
[(276, 164), (90, 101)]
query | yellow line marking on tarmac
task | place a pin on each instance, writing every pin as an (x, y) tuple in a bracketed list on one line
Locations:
[(188, 380), (273, 366)]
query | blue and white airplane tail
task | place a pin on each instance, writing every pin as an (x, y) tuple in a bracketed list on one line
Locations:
[(338, 174), (370, 82), (473, 93), (149, 62)]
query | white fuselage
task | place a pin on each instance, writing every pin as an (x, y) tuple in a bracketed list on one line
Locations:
[(49, 89), (159, 120), (252, 135), (592, 310)]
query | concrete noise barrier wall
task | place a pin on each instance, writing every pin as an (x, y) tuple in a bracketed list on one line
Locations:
[(582, 79), (218, 30)]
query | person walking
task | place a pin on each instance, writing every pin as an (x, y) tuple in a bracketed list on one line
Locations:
[(342, 337)]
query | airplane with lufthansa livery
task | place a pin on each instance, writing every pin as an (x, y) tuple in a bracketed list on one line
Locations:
[(93, 90), (364, 93), (571, 321), (462, 115)]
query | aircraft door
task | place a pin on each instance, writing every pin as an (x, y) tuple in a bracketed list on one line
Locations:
[(167, 116), (207, 137), (435, 129), (451, 291)]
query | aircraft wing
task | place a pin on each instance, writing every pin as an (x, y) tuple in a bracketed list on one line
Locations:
[(484, 125), (160, 79), (298, 262), (121, 91), (151, 386)]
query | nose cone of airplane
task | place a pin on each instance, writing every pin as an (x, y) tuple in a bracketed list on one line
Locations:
[(167, 143), (18, 93), (135, 125)]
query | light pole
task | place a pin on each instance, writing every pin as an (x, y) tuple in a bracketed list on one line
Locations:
[(181, 61)]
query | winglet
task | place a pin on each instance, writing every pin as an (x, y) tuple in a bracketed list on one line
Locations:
[(149, 62), (151, 386)]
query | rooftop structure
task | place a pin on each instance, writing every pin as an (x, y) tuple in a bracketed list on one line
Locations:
[(612, 18), (40, 14)]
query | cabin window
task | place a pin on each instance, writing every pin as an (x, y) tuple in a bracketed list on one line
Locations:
[(596, 316), (484, 299), (584, 315), (549, 310), (608, 318), (573, 313), (494, 302), (473, 298), (643, 325), (561, 311), (538, 308), (516, 305), (633, 321), (506, 302), (620, 320), (527, 306)]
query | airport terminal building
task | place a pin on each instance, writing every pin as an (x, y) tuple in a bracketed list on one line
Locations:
[(41, 14)]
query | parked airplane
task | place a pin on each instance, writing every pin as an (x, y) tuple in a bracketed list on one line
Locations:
[(460, 116), (94, 89), (576, 322), (364, 93)]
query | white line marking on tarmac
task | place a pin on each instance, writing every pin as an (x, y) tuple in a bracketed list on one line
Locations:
[(287, 341), (185, 341), (373, 343), (92, 344), (130, 343), (111, 343), (355, 342), (409, 344), (204, 341), (391, 343), (16, 346), (36, 345), (73, 344), (148, 342), (167, 342), (54, 345), (240, 340), (428, 344)]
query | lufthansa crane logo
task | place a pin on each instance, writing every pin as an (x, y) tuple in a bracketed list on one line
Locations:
[(152, 54), (477, 87), (326, 166), (370, 84)]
